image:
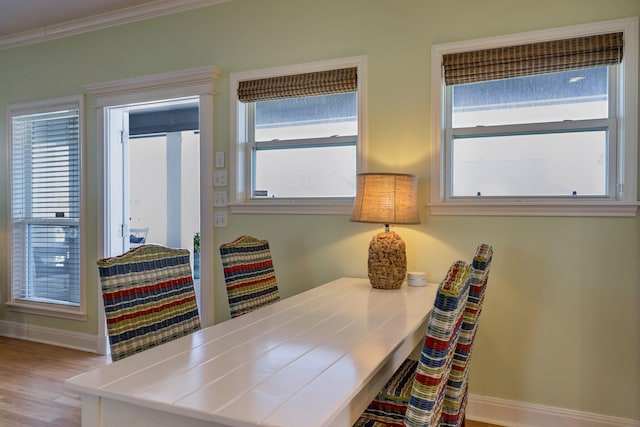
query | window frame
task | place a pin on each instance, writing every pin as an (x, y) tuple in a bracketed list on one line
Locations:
[(623, 200), (240, 154), (51, 309)]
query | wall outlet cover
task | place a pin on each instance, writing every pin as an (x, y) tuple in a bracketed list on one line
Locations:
[(219, 159), (220, 198), (220, 178), (220, 219)]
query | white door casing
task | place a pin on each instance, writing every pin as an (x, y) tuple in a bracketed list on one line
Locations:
[(193, 82)]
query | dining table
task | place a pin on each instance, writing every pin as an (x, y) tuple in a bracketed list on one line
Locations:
[(313, 359)]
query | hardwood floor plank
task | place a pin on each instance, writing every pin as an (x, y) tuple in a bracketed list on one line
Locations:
[(32, 391)]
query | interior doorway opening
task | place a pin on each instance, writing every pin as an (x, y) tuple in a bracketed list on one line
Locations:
[(154, 173)]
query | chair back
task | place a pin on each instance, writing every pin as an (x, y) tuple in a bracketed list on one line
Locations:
[(249, 275), (434, 365), (149, 298), (456, 393)]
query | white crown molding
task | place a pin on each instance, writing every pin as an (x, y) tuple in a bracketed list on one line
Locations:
[(104, 20), (510, 413)]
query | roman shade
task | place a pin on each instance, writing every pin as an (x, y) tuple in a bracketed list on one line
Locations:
[(298, 85), (533, 58)]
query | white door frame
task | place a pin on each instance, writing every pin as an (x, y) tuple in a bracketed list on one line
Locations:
[(116, 135), (193, 82)]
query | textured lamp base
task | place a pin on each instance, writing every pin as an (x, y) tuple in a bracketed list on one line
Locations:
[(387, 261)]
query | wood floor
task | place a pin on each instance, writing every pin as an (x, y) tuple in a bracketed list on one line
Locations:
[(32, 391)]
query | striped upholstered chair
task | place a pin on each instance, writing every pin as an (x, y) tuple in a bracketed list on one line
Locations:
[(149, 298), (455, 400), (414, 395), (249, 275)]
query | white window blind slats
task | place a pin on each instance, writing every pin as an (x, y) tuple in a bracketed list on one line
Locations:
[(46, 207)]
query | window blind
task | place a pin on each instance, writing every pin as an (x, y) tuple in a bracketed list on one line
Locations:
[(298, 85), (533, 58), (45, 196)]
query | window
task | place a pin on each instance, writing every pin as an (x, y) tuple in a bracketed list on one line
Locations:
[(297, 137), (45, 141), (535, 123)]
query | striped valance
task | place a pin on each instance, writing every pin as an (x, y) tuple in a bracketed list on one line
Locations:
[(298, 85), (534, 58)]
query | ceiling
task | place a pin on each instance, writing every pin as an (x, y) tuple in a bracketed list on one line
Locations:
[(30, 21)]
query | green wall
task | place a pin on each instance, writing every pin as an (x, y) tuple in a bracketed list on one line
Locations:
[(561, 324)]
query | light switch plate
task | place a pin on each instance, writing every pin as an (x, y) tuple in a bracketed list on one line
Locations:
[(220, 219), (220, 198), (219, 159), (220, 178)]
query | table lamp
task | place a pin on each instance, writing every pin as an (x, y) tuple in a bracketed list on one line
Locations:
[(386, 198)]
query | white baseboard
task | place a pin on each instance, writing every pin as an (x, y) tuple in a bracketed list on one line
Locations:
[(509, 413), (75, 340)]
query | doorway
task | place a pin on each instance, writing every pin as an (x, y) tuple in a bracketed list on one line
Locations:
[(196, 83), (154, 177)]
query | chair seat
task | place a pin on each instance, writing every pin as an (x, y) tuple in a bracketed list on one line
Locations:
[(388, 408)]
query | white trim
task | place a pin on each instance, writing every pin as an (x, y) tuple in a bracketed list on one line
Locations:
[(510, 413), (543, 35), (207, 252), (294, 207), (239, 176), (625, 205), (45, 106), (533, 208), (50, 309), (175, 84), (186, 83), (104, 20), (58, 337)]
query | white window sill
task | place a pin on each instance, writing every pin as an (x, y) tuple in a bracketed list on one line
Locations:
[(45, 309), (322, 207), (535, 208)]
